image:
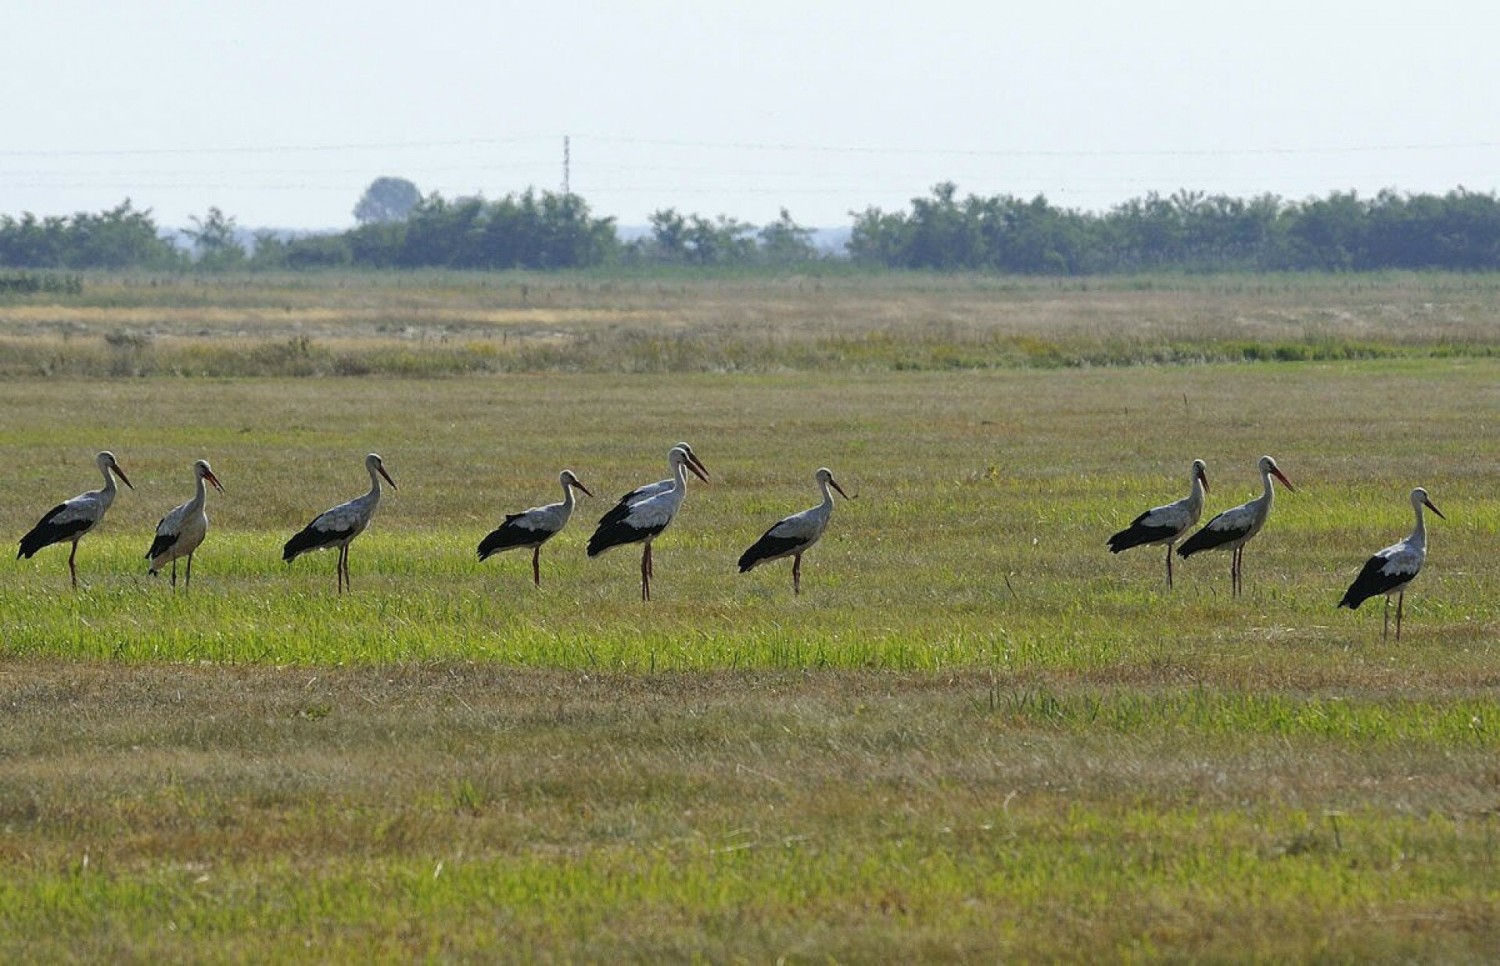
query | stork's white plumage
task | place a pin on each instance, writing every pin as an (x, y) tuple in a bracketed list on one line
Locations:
[(792, 536), (339, 526), (1166, 524), (1392, 569), (182, 530), (644, 519), (534, 527), (648, 490), (1234, 527), (72, 519)]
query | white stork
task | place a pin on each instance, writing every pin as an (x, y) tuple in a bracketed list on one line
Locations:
[(180, 532), (1392, 569), (793, 535), (647, 490), (645, 518), (76, 517), (1166, 524), (534, 527), (339, 526), (1233, 528)]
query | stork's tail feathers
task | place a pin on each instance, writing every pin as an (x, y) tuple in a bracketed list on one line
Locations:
[(304, 541), (47, 534), (503, 538)]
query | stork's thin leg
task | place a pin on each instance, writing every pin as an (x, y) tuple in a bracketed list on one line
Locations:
[(536, 565), (72, 567), (796, 573), (646, 573), (1169, 566), (174, 573), (1400, 603), (340, 567), (1386, 631), (188, 579)]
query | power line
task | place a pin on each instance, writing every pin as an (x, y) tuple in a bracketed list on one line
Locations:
[(758, 146), (269, 149)]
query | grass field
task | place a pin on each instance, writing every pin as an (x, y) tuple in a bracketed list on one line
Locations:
[(976, 734)]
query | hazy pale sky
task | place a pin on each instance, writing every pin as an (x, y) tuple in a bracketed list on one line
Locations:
[(281, 113)]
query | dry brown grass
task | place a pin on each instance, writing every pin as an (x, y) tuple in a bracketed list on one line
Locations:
[(517, 321)]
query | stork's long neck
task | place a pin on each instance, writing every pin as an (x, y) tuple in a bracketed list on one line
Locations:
[(374, 495), (567, 500), (199, 495), (108, 493), (679, 476), (1419, 532), (827, 496), (1269, 494), (1195, 495)]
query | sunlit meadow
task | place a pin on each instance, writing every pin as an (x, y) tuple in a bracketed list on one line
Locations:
[(975, 735)]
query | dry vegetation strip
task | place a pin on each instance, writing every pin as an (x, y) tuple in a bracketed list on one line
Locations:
[(428, 324)]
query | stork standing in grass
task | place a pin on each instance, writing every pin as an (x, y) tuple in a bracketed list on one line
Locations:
[(74, 518), (534, 527), (339, 526), (1233, 528), (1166, 524), (1391, 570), (645, 519), (792, 536), (182, 530)]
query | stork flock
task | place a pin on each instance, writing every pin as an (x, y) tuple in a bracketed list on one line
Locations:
[(642, 514), (639, 516)]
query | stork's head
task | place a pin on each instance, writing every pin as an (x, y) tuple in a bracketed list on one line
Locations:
[(107, 464), (824, 476), (567, 478), (375, 464), (203, 471), (1419, 499), (1268, 465), (693, 461)]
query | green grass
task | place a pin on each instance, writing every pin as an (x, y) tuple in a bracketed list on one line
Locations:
[(976, 735)]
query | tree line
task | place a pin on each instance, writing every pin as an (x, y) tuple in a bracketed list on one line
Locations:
[(1189, 231)]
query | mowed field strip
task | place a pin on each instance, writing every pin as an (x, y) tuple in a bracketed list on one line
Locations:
[(976, 733)]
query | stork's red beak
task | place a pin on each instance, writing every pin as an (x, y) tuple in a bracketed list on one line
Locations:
[(121, 474), (579, 483), (387, 477), (1282, 477), (209, 476)]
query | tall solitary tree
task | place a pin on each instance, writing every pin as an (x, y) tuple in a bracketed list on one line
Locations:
[(387, 200)]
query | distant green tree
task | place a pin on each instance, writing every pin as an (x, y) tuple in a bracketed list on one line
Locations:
[(119, 238), (669, 240), (387, 200), (216, 240), (722, 241), (784, 242)]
